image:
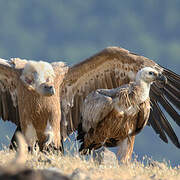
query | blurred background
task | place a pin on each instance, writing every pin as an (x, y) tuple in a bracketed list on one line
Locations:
[(71, 31)]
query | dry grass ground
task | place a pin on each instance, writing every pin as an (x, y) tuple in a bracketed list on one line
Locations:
[(78, 168)]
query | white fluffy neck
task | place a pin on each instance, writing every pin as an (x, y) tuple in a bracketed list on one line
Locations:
[(145, 88)]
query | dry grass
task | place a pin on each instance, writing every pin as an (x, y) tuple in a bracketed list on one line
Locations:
[(79, 168)]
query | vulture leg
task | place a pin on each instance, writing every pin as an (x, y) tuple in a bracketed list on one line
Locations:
[(125, 149), (50, 147), (13, 144)]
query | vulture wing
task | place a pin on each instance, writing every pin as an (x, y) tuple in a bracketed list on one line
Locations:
[(9, 74), (96, 107), (112, 68)]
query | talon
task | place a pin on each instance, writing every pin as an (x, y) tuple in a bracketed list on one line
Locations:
[(48, 140)]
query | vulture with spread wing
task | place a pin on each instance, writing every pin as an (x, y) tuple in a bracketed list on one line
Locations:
[(111, 116), (29, 97), (112, 68)]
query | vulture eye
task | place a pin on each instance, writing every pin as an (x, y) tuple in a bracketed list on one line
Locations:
[(151, 73), (29, 81)]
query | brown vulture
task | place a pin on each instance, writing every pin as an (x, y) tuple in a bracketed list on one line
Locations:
[(112, 117), (29, 97), (112, 68)]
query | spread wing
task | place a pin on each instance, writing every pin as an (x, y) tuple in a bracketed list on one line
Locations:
[(60, 69), (9, 75), (112, 68)]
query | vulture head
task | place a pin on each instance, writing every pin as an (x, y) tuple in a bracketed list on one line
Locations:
[(39, 77), (148, 75)]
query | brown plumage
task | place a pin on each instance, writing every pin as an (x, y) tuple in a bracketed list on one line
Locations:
[(29, 97), (112, 68), (111, 116), (109, 69)]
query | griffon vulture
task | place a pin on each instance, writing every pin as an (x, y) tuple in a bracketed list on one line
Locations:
[(112, 68), (29, 97), (111, 116)]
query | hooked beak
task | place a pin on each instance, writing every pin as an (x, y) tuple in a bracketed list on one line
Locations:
[(50, 90), (162, 78)]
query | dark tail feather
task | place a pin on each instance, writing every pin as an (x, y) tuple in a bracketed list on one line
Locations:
[(80, 137), (81, 147), (84, 150), (81, 133)]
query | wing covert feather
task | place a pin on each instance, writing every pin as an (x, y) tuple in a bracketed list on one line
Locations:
[(95, 107)]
